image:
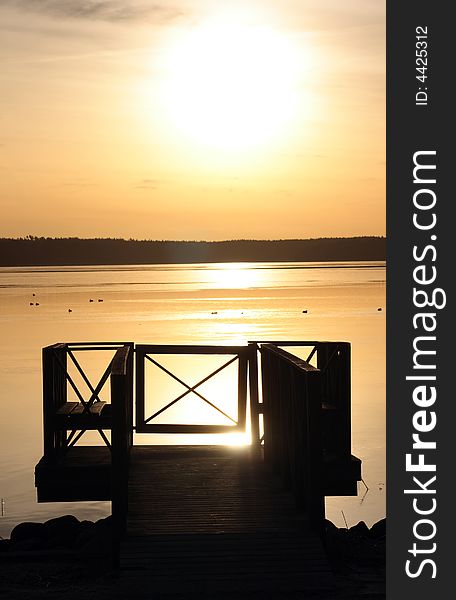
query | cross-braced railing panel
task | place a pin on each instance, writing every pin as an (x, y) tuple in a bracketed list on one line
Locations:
[(170, 415), (76, 401)]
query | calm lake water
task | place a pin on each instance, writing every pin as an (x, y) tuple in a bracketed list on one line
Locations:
[(187, 304)]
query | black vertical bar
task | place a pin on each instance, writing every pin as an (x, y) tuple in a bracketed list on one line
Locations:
[(120, 444), (420, 157), (254, 394), (316, 503), (242, 389), (266, 388), (48, 405), (344, 364), (54, 364), (130, 383), (140, 391)]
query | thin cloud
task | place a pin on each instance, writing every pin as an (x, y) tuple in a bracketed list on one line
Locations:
[(97, 10), (147, 184), (83, 55)]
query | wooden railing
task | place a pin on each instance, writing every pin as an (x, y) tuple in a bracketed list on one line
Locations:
[(334, 362), (299, 411), (54, 397), (121, 437), (292, 426), (65, 422), (150, 354)]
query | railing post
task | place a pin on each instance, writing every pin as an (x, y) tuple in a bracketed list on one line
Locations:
[(335, 363), (345, 392), (140, 354), (48, 377), (242, 389), (316, 499), (254, 393), (268, 427), (121, 441), (54, 396)]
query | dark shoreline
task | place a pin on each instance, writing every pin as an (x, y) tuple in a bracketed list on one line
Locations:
[(41, 251), (55, 559)]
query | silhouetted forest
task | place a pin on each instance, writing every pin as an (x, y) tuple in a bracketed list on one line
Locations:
[(108, 251)]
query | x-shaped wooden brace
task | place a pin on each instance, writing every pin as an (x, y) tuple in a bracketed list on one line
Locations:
[(190, 388), (74, 436)]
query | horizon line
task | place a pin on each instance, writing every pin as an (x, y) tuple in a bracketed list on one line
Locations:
[(194, 241)]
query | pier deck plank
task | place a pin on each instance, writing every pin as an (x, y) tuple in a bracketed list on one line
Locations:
[(214, 522)]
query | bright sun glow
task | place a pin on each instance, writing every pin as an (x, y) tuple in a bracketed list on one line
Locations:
[(235, 276), (231, 86)]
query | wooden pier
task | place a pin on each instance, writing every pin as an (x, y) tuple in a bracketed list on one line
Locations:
[(206, 521)]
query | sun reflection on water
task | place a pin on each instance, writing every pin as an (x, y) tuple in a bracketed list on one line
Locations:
[(235, 276)]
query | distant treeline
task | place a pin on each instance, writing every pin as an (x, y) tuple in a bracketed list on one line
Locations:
[(108, 251)]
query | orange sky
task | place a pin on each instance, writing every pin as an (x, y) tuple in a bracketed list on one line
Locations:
[(192, 119)]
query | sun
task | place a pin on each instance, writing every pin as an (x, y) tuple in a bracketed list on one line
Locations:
[(231, 86)]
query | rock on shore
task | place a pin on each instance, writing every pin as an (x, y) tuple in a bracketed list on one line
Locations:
[(64, 535), (71, 559), (357, 557)]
